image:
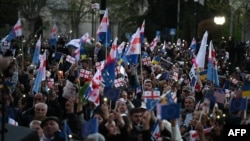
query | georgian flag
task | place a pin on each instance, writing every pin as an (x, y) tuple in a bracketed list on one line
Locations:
[(85, 73), (119, 82), (70, 59), (152, 94), (147, 61)]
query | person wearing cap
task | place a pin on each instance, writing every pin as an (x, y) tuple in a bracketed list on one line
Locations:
[(121, 106), (51, 129), (186, 91), (187, 114)]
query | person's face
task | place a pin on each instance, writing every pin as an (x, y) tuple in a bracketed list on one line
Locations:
[(122, 107), (136, 118), (157, 69), (50, 127), (37, 128), (124, 95), (186, 93), (112, 129), (52, 96), (148, 86), (195, 119), (130, 95), (40, 111), (189, 104), (38, 98)]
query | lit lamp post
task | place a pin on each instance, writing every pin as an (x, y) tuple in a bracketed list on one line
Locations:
[(219, 20)]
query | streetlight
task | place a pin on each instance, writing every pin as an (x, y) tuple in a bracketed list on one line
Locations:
[(219, 20)]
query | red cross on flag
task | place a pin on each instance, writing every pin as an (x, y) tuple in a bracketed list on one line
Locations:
[(153, 44), (100, 65), (119, 82), (152, 94), (70, 59), (194, 136), (206, 105), (156, 131), (85, 73), (147, 61)]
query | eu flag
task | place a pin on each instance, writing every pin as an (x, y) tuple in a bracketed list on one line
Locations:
[(170, 111), (90, 127), (111, 93)]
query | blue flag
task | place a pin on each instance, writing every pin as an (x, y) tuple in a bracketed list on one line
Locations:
[(90, 127), (151, 103), (170, 111), (108, 74), (38, 80), (238, 104), (111, 93), (66, 131)]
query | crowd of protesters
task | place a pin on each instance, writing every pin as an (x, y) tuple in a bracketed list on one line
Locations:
[(126, 118)]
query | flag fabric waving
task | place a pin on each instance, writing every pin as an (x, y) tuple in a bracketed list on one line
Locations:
[(108, 72), (151, 103), (18, 28), (134, 49), (212, 70), (15, 32), (142, 32), (35, 59), (156, 132), (53, 35), (246, 91), (200, 58), (103, 32), (170, 111), (111, 93), (90, 127), (152, 94)]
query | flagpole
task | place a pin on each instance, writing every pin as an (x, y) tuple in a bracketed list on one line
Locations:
[(106, 49), (142, 79)]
